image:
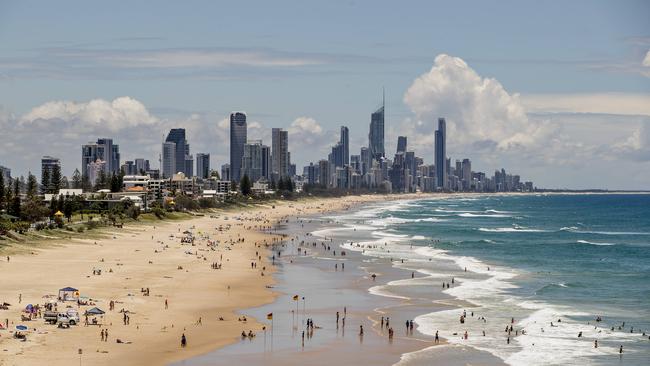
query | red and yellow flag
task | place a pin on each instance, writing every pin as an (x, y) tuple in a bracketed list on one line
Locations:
[(269, 316)]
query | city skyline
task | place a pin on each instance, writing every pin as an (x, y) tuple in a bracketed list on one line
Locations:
[(533, 107)]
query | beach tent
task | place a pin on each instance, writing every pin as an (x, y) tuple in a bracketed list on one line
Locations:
[(58, 214), (94, 311), (68, 293)]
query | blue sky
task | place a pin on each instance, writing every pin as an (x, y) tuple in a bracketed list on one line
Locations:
[(287, 62)]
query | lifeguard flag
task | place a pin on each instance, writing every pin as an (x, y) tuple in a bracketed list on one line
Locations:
[(269, 316), (295, 297)]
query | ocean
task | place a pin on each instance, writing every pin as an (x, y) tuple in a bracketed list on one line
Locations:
[(554, 263)]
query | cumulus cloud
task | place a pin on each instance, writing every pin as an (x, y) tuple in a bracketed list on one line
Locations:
[(637, 145), (478, 110), (113, 115), (646, 60), (309, 140)]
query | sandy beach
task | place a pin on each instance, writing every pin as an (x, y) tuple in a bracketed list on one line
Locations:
[(151, 256)]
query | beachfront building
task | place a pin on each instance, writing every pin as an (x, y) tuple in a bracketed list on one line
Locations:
[(202, 165), (94, 169), (441, 155), (251, 164), (238, 138), (168, 164), (279, 153), (103, 150), (225, 172), (376, 134), (182, 159)]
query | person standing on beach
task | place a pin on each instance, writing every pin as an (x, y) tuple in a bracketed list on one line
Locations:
[(183, 341), (437, 340), (166, 304)]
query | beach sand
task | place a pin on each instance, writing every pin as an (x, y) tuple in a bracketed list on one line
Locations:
[(195, 291)]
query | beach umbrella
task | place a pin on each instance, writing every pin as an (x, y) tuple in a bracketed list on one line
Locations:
[(21, 327)]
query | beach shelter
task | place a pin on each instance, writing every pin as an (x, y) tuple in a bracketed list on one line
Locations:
[(94, 311), (68, 294), (58, 214)]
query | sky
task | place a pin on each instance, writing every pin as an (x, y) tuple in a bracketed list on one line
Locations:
[(556, 91)]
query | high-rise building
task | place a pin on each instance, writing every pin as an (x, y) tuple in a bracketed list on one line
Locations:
[(441, 154), (401, 144), (280, 152), (467, 174), (266, 162), (183, 160), (311, 173), (6, 173), (128, 168), (324, 174), (48, 163), (345, 142), (203, 165), (225, 172), (94, 170), (355, 163), (168, 159), (376, 134), (238, 136), (103, 150), (141, 166), (251, 164), (365, 160)]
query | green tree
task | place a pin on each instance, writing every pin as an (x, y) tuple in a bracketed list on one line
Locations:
[(115, 184), (215, 174), (55, 180), (68, 209), (15, 204), (2, 192), (101, 181), (53, 206), (245, 185), (233, 186), (76, 179), (85, 183), (60, 203), (33, 210), (45, 181), (65, 184), (31, 185)]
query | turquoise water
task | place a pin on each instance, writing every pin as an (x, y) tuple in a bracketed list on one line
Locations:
[(550, 257)]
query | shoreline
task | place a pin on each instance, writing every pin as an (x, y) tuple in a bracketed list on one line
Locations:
[(196, 291)]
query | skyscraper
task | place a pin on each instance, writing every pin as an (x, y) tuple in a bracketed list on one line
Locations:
[(103, 150), (376, 134), (203, 165), (280, 152), (168, 166), (141, 166), (401, 144), (238, 136), (252, 160), (345, 143), (365, 160), (48, 163), (183, 161), (266, 162), (440, 154)]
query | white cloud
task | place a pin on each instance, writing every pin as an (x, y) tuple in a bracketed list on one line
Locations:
[(113, 115), (305, 125), (646, 60), (609, 103), (478, 110)]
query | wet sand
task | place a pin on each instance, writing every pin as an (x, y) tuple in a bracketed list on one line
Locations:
[(326, 290)]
